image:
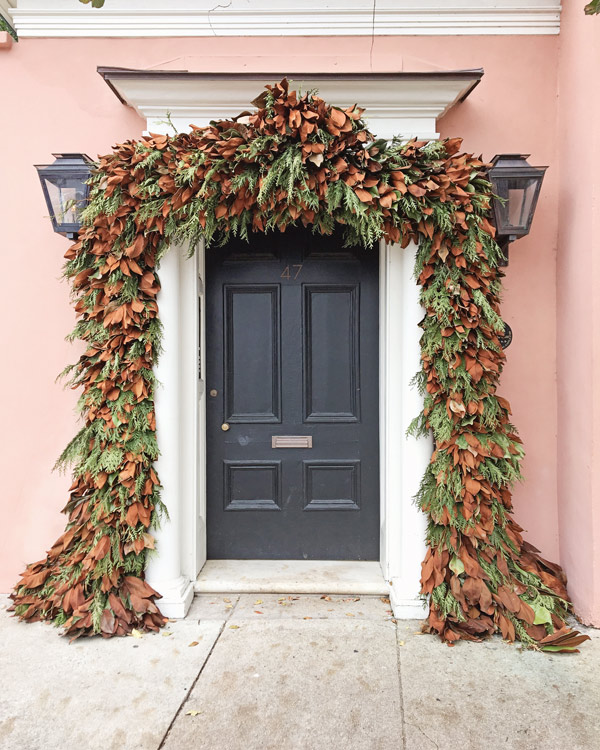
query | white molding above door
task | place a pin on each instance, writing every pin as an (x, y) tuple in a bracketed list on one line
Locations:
[(396, 104), (178, 18)]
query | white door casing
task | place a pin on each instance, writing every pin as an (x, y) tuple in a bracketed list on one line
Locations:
[(180, 398)]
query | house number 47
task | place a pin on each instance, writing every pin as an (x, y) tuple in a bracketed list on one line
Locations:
[(292, 272)]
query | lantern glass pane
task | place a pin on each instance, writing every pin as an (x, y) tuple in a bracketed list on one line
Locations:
[(513, 216), (67, 196), (520, 198)]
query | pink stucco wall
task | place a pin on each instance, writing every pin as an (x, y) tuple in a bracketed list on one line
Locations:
[(578, 343), (53, 100)]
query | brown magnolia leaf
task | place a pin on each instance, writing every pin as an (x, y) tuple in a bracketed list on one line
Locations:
[(472, 485), (36, 579), (338, 117), (107, 622), (472, 281), (417, 191), (364, 195)]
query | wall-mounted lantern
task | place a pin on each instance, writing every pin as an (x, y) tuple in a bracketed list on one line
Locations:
[(518, 185), (66, 191)]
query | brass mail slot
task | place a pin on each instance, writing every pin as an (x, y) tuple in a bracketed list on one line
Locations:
[(291, 441)]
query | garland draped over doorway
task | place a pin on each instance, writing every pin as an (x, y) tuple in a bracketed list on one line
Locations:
[(295, 160)]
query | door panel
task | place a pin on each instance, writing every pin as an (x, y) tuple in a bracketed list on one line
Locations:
[(252, 485), (331, 331), (252, 363), (292, 350), (331, 485)]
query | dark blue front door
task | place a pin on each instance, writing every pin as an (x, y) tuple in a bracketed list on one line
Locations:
[(292, 404)]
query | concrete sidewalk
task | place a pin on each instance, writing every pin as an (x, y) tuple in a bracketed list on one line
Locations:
[(300, 673)]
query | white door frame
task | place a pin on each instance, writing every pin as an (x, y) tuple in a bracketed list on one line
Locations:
[(181, 430)]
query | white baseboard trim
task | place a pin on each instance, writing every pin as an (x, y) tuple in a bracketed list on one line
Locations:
[(176, 595), (407, 609)]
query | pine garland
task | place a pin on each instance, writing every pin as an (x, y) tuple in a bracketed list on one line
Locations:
[(296, 160)]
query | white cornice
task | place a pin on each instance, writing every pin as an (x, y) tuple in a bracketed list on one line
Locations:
[(5, 7), (395, 104), (161, 18)]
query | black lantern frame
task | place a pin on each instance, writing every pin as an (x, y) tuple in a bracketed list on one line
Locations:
[(66, 191), (516, 185)]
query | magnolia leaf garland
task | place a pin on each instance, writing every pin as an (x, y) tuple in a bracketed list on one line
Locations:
[(294, 161)]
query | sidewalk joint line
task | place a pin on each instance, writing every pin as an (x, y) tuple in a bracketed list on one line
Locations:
[(400, 687), (192, 686)]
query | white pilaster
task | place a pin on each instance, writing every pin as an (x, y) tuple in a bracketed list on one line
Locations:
[(404, 459), (163, 571)]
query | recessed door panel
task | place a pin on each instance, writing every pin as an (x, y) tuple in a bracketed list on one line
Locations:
[(252, 358), (252, 485), (292, 399), (331, 361), (332, 485)]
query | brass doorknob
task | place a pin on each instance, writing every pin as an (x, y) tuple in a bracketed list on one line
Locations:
[(225, 427)]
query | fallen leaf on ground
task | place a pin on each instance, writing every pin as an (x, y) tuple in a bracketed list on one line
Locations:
[(166, 634), (192, 713), (193, 643), (401, 643), (234, 627), (384, 599), (308, 618), (136, 633), (258, 612), (258, 601)]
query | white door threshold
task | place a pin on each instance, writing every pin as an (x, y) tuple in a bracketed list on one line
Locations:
[(291, 577)]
